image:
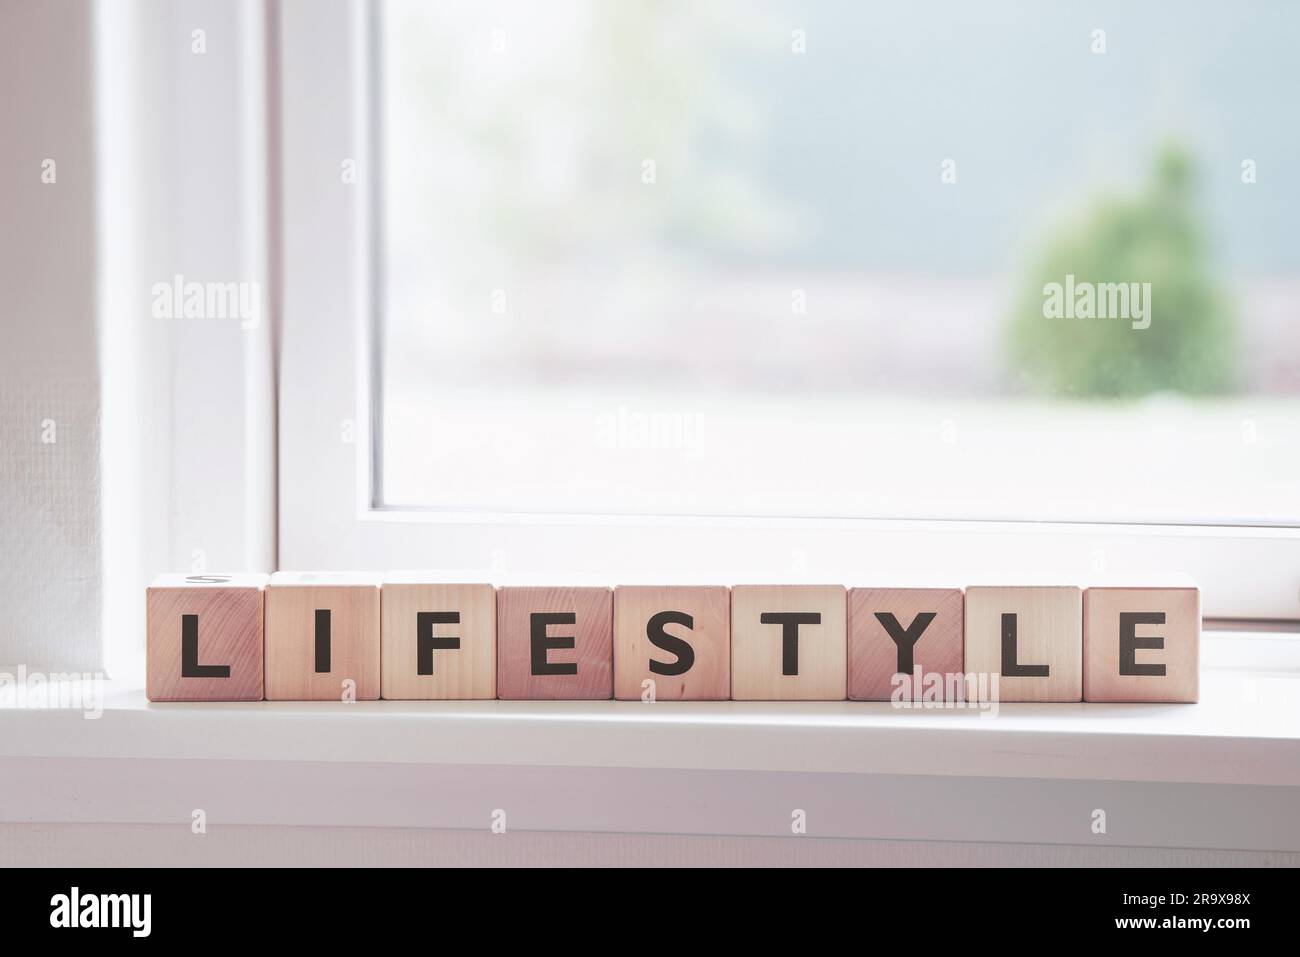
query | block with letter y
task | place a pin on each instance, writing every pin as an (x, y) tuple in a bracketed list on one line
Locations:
[(902, 631)]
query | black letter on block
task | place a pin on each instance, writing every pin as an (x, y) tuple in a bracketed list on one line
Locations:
[(426, 640), (790, 622), (905, 640), (1009, 667), (190, 667), (542, 643), (1129, 642), (654, 630), (322, 641)]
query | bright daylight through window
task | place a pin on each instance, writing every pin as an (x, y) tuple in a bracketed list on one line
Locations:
[(778, 260)]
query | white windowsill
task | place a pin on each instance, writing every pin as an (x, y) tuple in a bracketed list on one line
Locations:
[(1246, 729), (694, 767)]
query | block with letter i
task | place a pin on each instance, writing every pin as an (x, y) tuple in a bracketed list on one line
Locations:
[(555, 643), (438, 640), (672, 643), (788, 643), (903, 632), (1141, 644), (204, 638), (1030, 636), (322, 636)]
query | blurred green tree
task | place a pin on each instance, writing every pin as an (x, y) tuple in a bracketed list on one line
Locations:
[(1154, 237)]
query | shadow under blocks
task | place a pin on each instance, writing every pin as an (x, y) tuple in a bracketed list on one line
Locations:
[(331, 636)]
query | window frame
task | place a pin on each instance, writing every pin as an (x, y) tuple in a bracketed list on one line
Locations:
[(331, 419)]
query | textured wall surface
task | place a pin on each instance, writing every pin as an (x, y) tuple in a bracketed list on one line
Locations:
[(50, 555)]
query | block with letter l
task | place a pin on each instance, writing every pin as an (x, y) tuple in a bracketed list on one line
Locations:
[(203, 637), (1031, 636)]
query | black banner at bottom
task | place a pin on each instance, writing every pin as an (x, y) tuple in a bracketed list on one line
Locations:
[(374, 907)]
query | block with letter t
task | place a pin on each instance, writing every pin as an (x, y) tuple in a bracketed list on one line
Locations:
[(788, 643)]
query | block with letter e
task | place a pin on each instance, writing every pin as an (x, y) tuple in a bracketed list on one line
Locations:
[(1030, 636), (1141, 644), (204, 637), (555, 643)]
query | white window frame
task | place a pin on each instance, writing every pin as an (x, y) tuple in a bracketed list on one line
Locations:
[(328, 516)]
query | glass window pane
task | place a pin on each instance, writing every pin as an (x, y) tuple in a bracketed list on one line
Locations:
[(936, 260)]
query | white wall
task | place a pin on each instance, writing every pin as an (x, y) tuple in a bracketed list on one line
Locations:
[(164, 427), (50, 561)]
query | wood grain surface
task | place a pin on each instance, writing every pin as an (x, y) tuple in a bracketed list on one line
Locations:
[(589, 638), (467, 671), (1048, 634), (228, 621), (292, 602), (758, 650), (874, 654), (709, 636), (1179, 638)]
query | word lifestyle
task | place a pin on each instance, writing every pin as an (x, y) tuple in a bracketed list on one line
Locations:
[(361, 636)]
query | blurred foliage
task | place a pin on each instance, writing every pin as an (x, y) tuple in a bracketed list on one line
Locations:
[(1154, 237)]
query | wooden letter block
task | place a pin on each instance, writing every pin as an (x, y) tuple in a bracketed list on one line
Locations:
[(900, 630), (204, 638), (322, 636), (555, 643), (438, 640), (1032, 637), (788, 643), (1141, 644), (679, 638)]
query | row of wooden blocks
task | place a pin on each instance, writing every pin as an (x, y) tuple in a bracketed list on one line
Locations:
[(331, 636)]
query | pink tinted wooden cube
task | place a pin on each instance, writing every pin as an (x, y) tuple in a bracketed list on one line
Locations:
[(788, 643), (1141, 644), (204, 638), (322, 636), (678, 637), (438, 640), (1030, 636), (555, 643), (898, 630)]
